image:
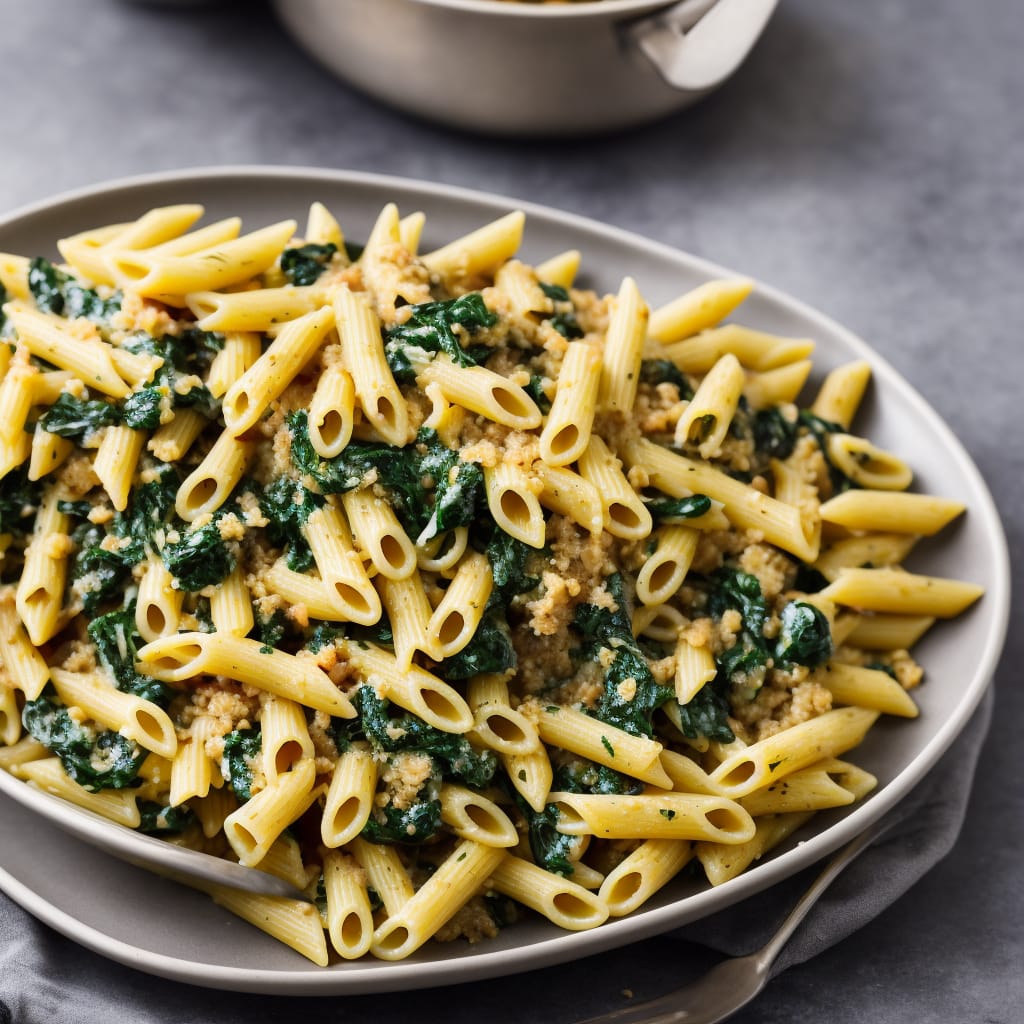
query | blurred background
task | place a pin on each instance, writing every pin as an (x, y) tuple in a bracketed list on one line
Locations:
[(867, 157)]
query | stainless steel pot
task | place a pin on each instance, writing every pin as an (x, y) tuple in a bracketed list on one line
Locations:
[(531, 69)]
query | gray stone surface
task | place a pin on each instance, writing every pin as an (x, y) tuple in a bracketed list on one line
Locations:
[(869, 158)]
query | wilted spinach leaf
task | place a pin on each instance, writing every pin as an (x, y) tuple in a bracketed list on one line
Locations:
[(95, 759)]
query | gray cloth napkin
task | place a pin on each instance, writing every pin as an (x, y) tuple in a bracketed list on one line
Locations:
[(46, 979)]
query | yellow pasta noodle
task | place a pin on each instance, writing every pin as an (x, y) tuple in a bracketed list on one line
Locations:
[(698, 309)]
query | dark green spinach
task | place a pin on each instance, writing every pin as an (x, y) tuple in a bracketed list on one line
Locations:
[(287, 505), (241, 749), (805, 637), (631, 694), (431, 327), (117, 646), (95, 759), (668, 509), (304, 264), (75, 418), (55, 291)]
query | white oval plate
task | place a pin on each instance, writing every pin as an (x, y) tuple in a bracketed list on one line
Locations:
[(162, 928)]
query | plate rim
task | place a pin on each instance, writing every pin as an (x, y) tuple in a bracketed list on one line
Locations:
[(403, 975)]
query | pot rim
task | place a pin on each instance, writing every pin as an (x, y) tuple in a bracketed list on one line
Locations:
[(578, 9)]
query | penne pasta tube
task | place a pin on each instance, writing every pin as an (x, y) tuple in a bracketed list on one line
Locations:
[(495, 723), (322, 228), (695, 667), (623, 350), (385, 874), (349, 797), (51, 340), (686, 775), (21, 752), (755, 350), (10, 716), (295, 924), (379, 533), (513, 504), (158, 606), (49, 452), (161, 275), (172, 441), (700, 308), (706, 419), (560, 269), (568, 494), (348, 588), (480, 251), (653, 816), (186, 655), (811, 789), (87, 252), (332, 412), (285, 735), (321, 599), (722, 862), (24, 665), (474, 816), (40, 590), (894, 590), (248, 397), (447, 890), (666, 567), (409, 613), (414, 689), (238, 353), (481, 391), (531, 774), (456, 618), (230, 607), (264, 309), (651, 866), (876, 549), (758, 765), (349, 918), (379, 396), (776, 387), (883, 632), (208, 486), (919, 514), (841, 392), (192, 770), (865, 688), (142, 721), (625, 514), (115, 462), (566, 432), (561, 900), (252, 828), (572, 730)]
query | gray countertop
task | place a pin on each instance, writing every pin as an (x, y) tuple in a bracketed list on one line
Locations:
[(868, 158)]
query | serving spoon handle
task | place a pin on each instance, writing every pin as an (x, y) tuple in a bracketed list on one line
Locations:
[(179, 863)]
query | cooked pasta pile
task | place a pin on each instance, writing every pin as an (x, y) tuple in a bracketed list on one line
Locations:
[(441, 588)]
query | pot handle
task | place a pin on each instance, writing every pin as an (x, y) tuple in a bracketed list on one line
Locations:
[(696, 44)]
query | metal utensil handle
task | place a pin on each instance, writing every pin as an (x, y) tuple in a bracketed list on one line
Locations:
[(152, 854), (768, 953), (696, 44)]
